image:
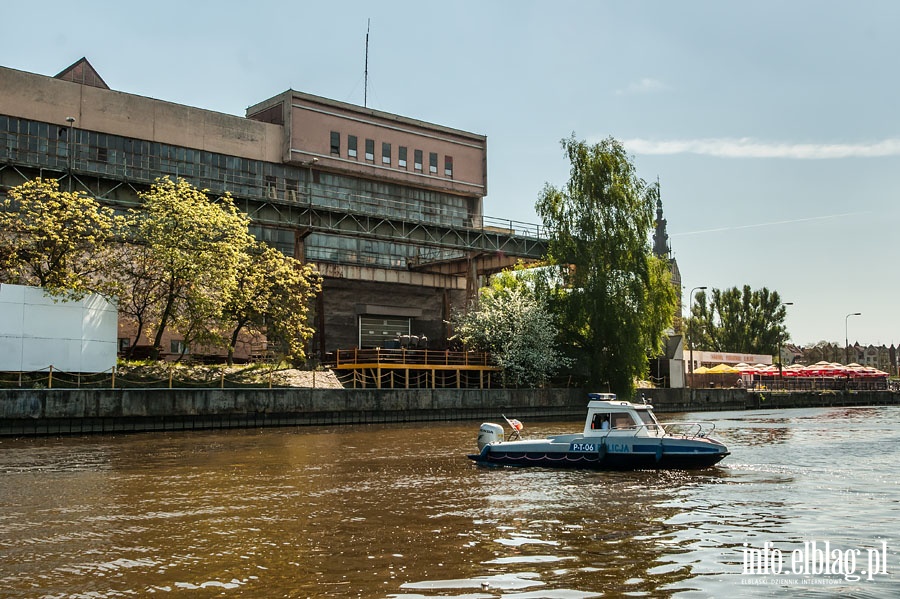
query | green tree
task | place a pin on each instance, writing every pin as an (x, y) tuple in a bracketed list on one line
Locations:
[(616, 299), (55, 239), (193, 248), (515, 326), (738, 320), (272, 296)]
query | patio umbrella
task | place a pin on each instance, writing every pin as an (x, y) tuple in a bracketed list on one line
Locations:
[(796, 370)]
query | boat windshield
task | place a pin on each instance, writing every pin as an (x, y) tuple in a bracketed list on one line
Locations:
[(648, 420)]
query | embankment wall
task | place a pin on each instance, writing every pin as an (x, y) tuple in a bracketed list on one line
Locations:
[(26, 412), (705, 400), (73, 411)]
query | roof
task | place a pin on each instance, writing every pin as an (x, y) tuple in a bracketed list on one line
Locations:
[(83, 72)]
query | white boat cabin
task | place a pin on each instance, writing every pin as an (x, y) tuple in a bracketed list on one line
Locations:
[(607, 415)]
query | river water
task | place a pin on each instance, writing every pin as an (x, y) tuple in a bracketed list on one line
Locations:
[(398, 511)]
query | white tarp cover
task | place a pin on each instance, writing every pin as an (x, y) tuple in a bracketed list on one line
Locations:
[(74, 336)]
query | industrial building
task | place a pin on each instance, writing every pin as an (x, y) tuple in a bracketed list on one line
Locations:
[(389, 208)]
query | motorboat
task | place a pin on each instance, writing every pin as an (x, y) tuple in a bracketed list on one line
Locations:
[(617, 435)]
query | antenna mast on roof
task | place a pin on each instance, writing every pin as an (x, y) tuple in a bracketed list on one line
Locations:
[(366, 84)]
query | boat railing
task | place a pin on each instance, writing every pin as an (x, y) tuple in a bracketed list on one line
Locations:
[(689, 430), (651, 429)]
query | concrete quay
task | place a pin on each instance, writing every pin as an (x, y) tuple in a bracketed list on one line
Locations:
[(73, 411), (707, 400), (41, 412)]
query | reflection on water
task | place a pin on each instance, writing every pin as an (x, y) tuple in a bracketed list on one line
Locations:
[(398, 511)]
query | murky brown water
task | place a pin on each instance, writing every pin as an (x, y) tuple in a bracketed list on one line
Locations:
[(398, 511)]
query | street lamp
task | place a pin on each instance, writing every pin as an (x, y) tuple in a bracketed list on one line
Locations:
[(846, 338), (691, 336), (70, 143)]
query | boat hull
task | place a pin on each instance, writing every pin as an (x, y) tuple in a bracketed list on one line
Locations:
[(649, 454), (617, 435)]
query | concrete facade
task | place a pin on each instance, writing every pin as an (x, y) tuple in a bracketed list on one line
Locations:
[(52, 100), (310, 120), (392, 228)]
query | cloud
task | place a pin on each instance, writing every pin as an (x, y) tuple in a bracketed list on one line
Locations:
[(644, 86), (746, 147)]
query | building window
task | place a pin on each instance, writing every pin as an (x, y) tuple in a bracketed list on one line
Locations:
[(417, 160), (370, 150), (124, 344), (271, 186), (178, 347), (432, 163), (292, 189), (401, 160), (351, 146), (448, 166), (385, 153), (335, 143)]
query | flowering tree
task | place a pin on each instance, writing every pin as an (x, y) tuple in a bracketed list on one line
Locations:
[(272, 296), (191, 247), (512, 324), (58, 240)]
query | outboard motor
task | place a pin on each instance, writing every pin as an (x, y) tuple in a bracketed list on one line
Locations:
[(488, 433)]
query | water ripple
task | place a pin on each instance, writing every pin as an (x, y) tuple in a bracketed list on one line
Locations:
[(398, 511)]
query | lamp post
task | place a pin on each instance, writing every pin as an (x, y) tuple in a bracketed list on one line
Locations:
[(846, 337), (70, 148), (691, 336)]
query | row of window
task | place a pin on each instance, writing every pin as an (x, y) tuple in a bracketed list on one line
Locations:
[(46, 145), (387, 155)]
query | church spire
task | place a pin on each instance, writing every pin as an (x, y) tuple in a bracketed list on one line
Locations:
[(660, 238)]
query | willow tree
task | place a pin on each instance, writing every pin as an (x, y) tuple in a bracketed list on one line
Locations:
[(192, 247), (616, 299), (58, 240)]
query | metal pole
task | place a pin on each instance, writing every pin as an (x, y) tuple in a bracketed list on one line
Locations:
[(780, 372), (70, 148)]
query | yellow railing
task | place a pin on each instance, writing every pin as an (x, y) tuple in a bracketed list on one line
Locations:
[(405, 358)]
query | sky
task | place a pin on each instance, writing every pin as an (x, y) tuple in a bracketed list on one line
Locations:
[(773, 127)]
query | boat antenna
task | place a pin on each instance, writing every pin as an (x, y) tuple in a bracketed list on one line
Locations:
[(366, 83)]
